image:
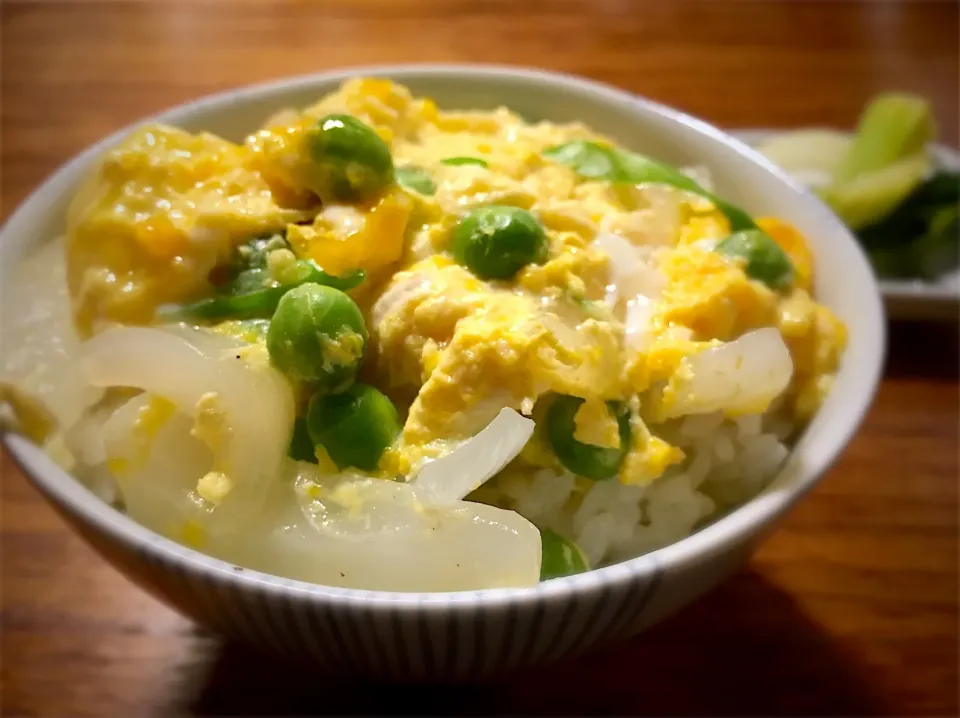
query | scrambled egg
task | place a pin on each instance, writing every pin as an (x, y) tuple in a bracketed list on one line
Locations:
[(712, 296), (343, 238), (166, 206), (156, 215)]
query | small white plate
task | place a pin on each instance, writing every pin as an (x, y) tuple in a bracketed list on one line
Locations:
[(938, 299)]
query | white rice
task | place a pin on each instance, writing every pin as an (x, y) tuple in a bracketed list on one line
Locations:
[(727, 462)]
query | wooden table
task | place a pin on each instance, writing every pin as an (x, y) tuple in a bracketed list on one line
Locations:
[(850, 608)]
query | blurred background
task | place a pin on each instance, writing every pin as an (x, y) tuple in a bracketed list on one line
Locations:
[(851, 608), (76, 70)]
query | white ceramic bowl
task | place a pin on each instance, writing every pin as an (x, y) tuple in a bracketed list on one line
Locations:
[(476, 634)]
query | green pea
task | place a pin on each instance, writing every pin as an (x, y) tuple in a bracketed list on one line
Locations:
[(765, 260), (416, 179), (560, 556), (352, 163), (317, 334), (354, 426), (591, 462), (460, 161), (495, 242)]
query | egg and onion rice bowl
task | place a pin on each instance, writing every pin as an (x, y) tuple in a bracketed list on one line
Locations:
[(387, 346)]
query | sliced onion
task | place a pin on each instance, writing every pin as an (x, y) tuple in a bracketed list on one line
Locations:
[(160, 467), (739, 377), (383, 535), (637, 322), (632, 277), (451, 477), (182, 365)]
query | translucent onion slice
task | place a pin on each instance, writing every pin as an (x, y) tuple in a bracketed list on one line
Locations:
[(631, 276), (637, 322), (811, 156), (339, 530), (634, 289), (156, 468), (183, 365), (451, 477), (380, 535), (739, 377)]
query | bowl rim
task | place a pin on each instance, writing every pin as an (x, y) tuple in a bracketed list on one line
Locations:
[(735, 527)]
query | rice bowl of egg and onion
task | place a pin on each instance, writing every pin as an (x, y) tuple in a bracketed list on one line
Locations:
[(510, 350)]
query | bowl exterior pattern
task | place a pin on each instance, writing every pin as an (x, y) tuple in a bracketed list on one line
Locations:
[(418, 638)]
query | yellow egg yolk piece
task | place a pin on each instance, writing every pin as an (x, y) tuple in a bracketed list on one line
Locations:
[(155, 216)]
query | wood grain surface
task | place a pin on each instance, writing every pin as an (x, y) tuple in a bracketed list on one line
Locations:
[(850, 608)]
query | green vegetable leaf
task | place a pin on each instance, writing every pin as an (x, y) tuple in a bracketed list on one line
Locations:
[(459, 161), (871, 196), (248, 302), (921, 237), (765, 260), (893, 126), (246, 271), (301, 445), (416, 179), (886, 161), (252, 254), (246, 282), (589, 160), (911, 218), (941, 188), (939, 248), (594, 161), (310, 271)]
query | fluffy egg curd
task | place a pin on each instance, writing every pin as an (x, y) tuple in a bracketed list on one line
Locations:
[(383, 345)]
